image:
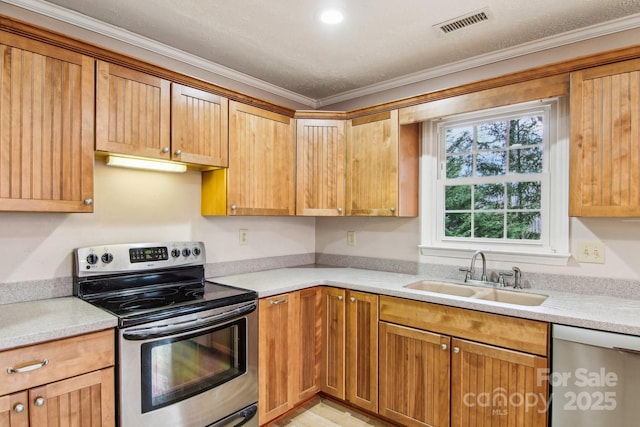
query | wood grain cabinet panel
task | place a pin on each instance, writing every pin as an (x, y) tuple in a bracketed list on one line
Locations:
[(320, 183), (14, 410), (333, 366), (495, 387), (133, 112), (307, 350), (605, 141), (414, 376), (199, 126), (382, 166), (46, 127), (260, 179)]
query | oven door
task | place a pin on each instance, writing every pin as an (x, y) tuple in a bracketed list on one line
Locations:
[(192, 370)]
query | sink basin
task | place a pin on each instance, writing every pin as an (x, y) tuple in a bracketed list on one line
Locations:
[(443, 288), (479, 292), (510, 297)]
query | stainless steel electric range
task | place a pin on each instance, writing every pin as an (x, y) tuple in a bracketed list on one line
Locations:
[(186, 347)]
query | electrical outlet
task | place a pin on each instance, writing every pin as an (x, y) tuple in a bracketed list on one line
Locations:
[(243, 236), (591, 252), (351, 238)]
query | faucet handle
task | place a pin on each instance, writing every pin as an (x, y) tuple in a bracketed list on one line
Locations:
[(467, 273), (501, 279)]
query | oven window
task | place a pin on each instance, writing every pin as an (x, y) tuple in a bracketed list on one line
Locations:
[(175, 369)]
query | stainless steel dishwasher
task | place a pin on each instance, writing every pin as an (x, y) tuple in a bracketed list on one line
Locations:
[(595, 378)]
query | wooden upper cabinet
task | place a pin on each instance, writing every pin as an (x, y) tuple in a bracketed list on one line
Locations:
[(605, 141), (133, 111), (261, 175), (382, 166), (320, 167), (46, 127), (199, 126)]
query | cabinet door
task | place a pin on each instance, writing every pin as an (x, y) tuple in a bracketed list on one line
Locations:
[(46, 127), (14, 410), (261, 178), (320, 167), (133, 112), (199, 126), (85, 400), (276, 377), (362, 350), (605, 141), (491, 386), (414, 376), (306, 352), (332, 370)]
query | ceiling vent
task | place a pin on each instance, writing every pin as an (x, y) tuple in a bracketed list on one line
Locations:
[(463, 21)]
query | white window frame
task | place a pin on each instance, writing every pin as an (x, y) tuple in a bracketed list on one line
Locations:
[(553, 247)]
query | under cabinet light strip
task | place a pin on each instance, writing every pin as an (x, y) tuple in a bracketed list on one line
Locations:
[(147, 164)]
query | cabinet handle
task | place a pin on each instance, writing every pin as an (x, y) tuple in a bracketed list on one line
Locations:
[(353, 299), (26, 368), (40, 401), (88, 201), (277, 301), (443, 346), (234, 207), (165, 149), (339, 297), (19, 408), (178, 152), (392, 209), (456, 349), (339, 210)]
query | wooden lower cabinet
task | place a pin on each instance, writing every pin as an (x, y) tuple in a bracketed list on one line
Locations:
[(492, 386), (414, 376), (289, 345), (66, 391), (350, 347)]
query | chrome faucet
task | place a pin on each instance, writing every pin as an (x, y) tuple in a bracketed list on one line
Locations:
[(517, 279), (484, 265)]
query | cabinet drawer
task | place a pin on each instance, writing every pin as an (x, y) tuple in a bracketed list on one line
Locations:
[(530, 336), (66, 358)]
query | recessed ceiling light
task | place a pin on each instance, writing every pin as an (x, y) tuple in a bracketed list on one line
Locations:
[(331, 17)]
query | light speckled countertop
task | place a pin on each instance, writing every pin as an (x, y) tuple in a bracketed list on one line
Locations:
[(30, 322), (588, 311)]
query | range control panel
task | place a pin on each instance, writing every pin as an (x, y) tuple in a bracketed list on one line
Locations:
[(128, 257)]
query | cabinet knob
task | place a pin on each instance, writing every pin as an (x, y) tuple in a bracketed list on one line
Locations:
[(40, 401), (19, 408), (339, 297), (234, 207), (165, 150), (392, 209), (178, 152), (456, 349), (88, 201), (353, 299), (339, 210), (443, 346)]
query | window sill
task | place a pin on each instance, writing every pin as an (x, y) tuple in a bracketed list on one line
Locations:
[(520, 257)]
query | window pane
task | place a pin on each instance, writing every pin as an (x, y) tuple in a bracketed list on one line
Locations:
[(524, 225), (488, 225), (489, 196), (457, 225), (459, 140), (457, 197), (524, 195), (459, 166), (492, 135), (526, 160), (526, 131), (491, 164)]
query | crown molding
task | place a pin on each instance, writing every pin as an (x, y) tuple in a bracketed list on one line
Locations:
[(136, 40)]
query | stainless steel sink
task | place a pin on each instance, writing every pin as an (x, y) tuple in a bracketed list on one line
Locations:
[(479, 292)]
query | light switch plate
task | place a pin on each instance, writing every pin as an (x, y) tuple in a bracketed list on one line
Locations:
[(243, 236), (351, 238), (591, 252)]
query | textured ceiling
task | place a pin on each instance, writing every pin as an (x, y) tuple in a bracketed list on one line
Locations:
[(283, 43)]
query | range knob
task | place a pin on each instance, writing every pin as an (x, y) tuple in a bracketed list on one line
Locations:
[(92, 259), (186, 252), (107, 258), (175, 253), (196, 251)]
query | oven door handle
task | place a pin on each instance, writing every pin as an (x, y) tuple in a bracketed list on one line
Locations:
[(139, 334), (243, 417)]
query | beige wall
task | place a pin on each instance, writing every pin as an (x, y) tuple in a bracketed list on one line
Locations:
[(140, 206)]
